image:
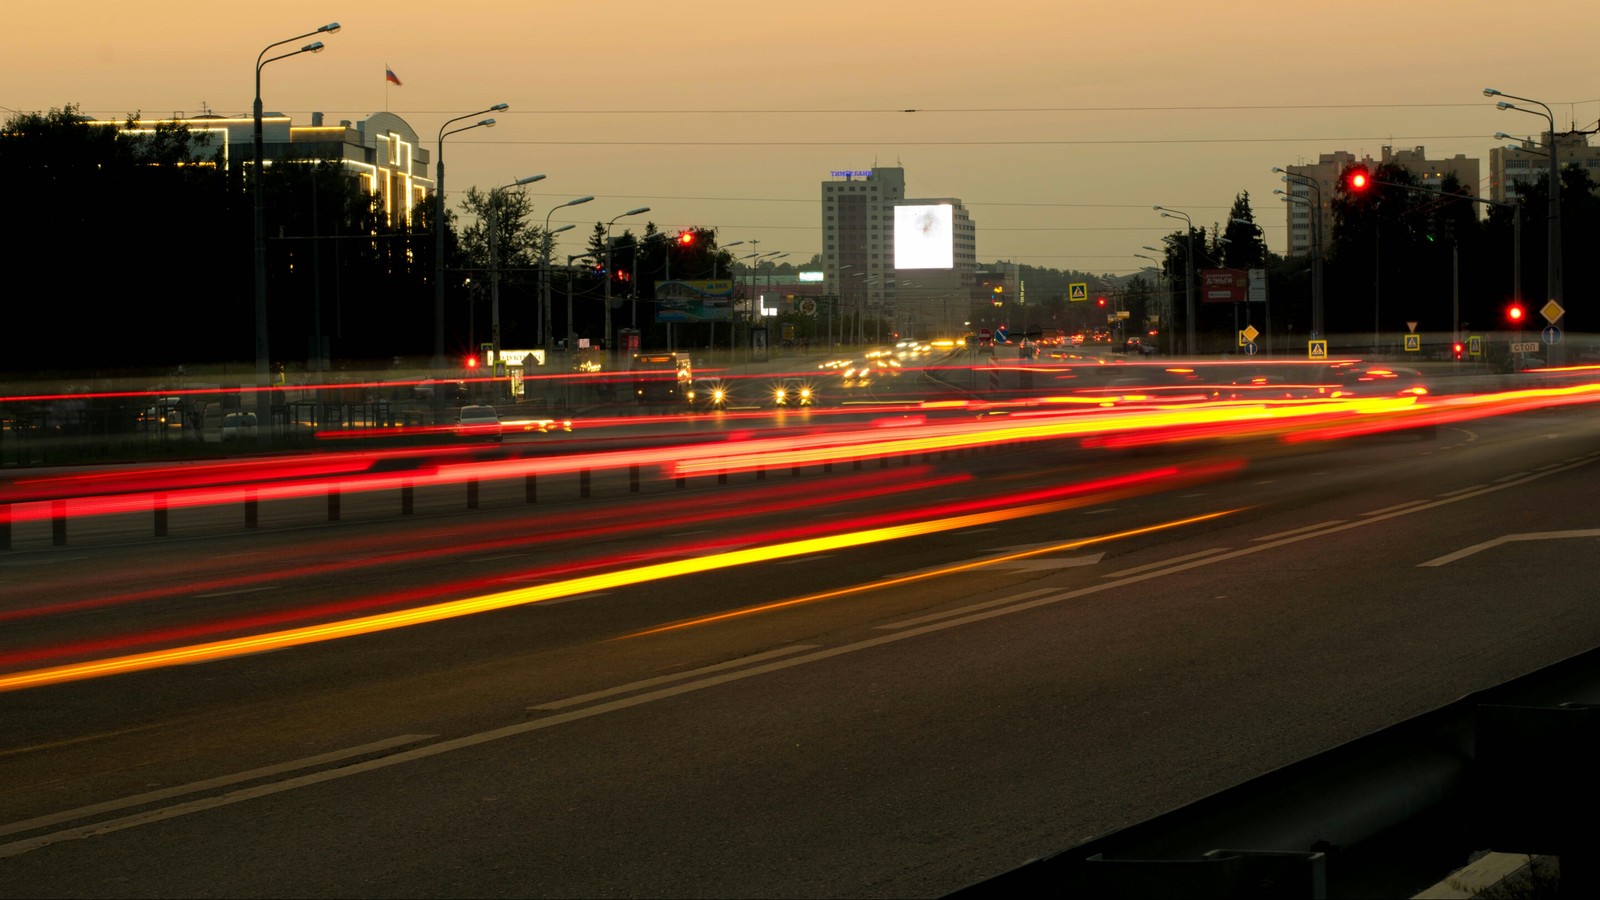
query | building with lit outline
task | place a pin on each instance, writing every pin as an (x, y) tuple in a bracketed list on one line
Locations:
[(381, 151)]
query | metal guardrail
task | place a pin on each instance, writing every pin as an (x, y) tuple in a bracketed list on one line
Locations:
[(1511, 768)]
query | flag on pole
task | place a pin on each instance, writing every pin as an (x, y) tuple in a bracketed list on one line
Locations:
[(389, 76)]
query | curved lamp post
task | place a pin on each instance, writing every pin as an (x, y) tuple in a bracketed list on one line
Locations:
[(632, 212), (1188, 260), (1316, 244), (263, 377), (439, 225), (1553, 263), (494, 258), (545, 311)]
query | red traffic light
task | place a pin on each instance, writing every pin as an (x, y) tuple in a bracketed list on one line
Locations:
[(686, 238), (472, 362), (1514, 313), (1357, 179), (1456, 350), (1099, 301)]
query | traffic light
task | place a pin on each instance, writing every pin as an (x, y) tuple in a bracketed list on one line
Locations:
[(1357, 179), (1456, 349), (1515, 314), (1100, 301), (686, 238), (472, 362)]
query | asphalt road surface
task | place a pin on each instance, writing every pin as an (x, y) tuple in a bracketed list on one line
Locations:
[(884, 681)]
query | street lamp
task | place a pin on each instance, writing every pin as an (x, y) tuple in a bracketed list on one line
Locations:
[(439, 226), (494, 259), (1188, 259), (1554, 259), (263, 377), (631, 212), (1316, 242), (545, 310)]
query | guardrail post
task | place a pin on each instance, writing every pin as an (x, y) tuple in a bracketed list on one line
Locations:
[(408, 499), (251, 513), (333, 504), (583, 482), (530, 488), (161, 515), (472, 493), (58, 523)]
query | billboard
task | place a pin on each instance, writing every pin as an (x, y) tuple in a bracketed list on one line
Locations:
[(924, 237), (694, 301), (1224, 285)]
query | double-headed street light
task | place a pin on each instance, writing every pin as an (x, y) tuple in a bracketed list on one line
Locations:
[(494, 257), (1554, 259), (632, 212), (545, 311), (1188, 259), (1316, 242), (439, 224), (264, 377)]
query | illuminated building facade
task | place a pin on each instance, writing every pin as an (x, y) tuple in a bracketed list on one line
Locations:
[(381, 151)]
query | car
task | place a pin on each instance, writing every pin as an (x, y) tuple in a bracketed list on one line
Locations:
[(478, 423), (237, 426), (1364, 380), (708, 393), (792, 392)]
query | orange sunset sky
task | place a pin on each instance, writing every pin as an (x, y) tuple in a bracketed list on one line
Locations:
[(1059, 124)]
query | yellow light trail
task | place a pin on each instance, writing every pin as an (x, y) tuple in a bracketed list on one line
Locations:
[(933, 573), (278, 640)]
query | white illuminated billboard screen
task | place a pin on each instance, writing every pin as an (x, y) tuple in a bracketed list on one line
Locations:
[(924, 237)]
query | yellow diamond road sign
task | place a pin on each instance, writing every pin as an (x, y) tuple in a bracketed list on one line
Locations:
[(1078, 290), (1250, 333), (1551, 311)]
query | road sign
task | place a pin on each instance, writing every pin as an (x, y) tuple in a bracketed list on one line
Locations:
[(1078, 290), (1552, 311), (1414, 341), (1000, 336), (1475, 345), (1551, 334), (985, 335), (1250, 348), (1317, 349), (1525, 347)]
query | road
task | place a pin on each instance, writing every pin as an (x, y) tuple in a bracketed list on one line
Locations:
[(884, 681)]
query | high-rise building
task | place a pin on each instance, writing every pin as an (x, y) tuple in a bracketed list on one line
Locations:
[(1509, 167), (936, 302), (858, 238)]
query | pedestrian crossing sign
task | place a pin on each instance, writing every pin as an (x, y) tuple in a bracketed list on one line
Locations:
[(1078, 290), (1318, 349), (1414, 342)]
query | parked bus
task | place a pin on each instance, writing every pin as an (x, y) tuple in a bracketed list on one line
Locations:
[(661, 377)]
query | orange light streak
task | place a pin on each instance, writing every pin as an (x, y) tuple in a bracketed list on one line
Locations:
[(920, 576), (282, 639)]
